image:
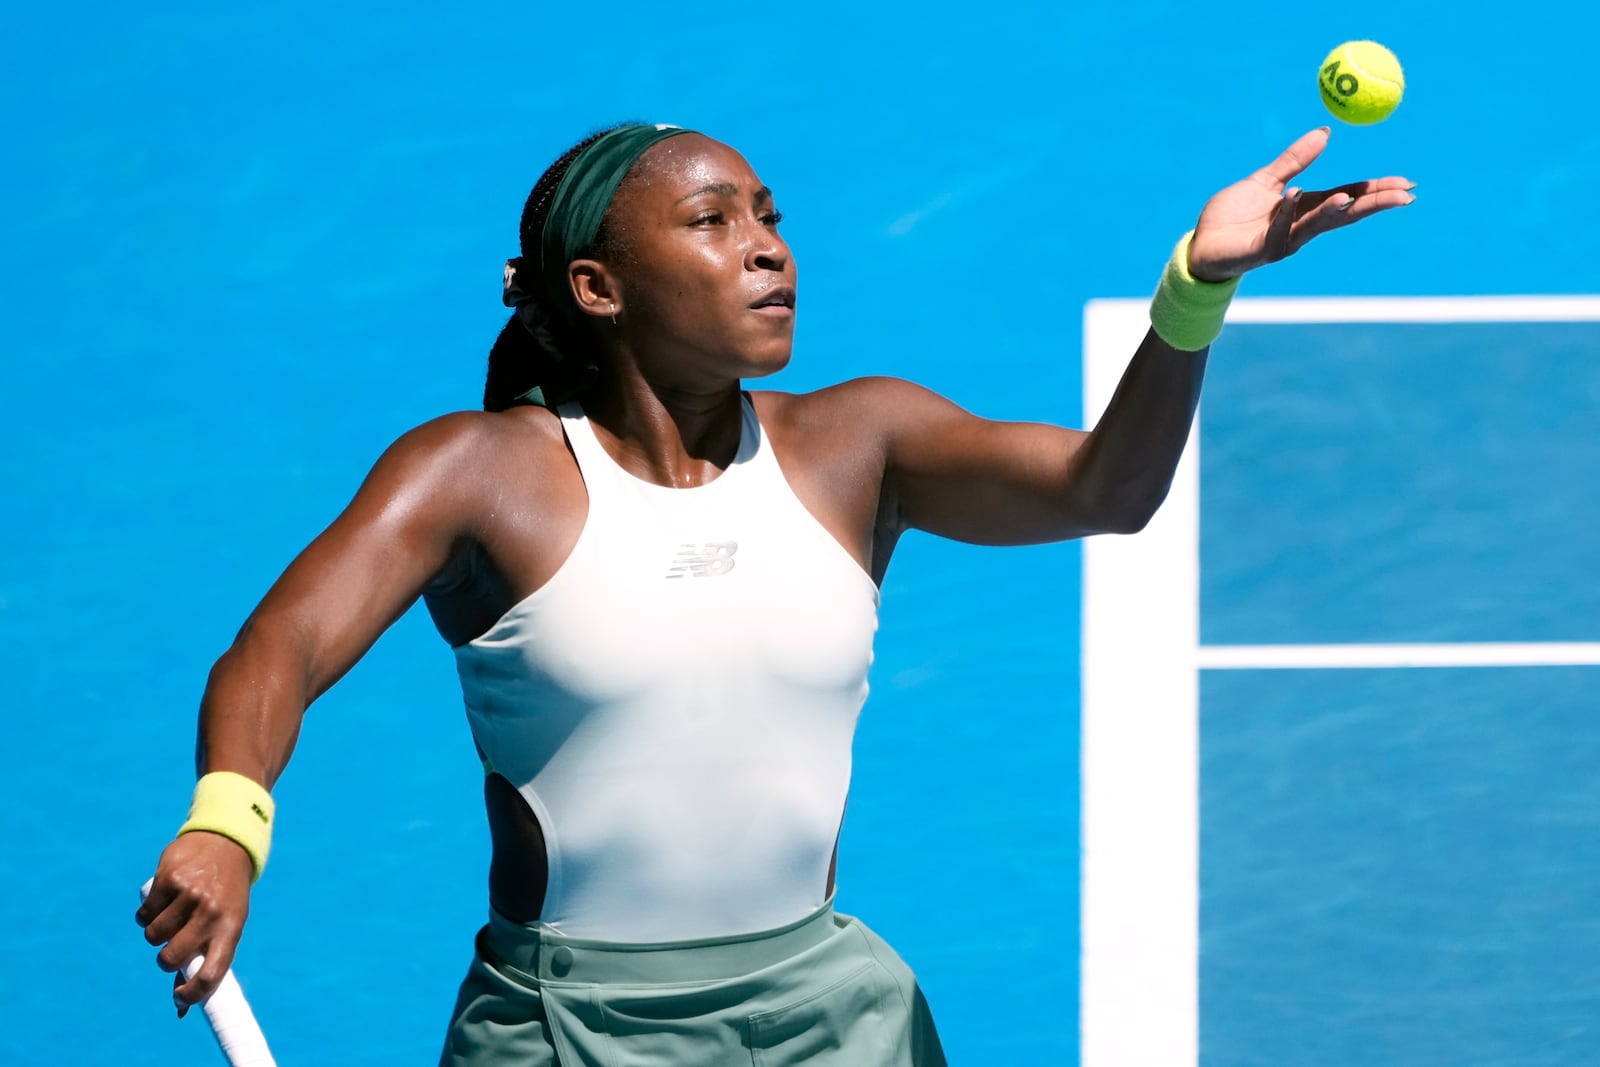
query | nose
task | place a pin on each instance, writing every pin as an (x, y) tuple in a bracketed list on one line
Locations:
[(766, 251)]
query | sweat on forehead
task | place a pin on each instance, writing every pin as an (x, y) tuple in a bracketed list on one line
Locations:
[(683, 171), (683, 159)]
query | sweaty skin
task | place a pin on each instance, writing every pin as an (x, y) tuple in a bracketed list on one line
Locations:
[(474, 511)]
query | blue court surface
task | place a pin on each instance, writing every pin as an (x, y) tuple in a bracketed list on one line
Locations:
[(244, 248), (1395, 862)]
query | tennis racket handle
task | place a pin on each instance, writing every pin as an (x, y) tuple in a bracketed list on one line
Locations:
[(234, 1024), (228, 1013)]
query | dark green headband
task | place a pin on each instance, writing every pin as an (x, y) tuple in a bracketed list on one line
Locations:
[(584, 195)]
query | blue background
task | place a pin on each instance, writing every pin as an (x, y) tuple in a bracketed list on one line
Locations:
[(243, 248)]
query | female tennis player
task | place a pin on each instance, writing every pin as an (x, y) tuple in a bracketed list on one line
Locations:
[(661, 592)]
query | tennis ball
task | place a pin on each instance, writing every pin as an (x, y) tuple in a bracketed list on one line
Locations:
[(1361, 82)]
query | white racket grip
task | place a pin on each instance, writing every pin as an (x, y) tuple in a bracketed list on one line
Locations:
[(232, 1022)]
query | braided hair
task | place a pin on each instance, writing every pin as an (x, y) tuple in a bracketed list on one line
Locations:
[(540, 347)]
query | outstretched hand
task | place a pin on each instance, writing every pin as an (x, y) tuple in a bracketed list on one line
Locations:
[(1263, 219)]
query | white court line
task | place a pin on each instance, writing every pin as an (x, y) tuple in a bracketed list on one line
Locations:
[(1418, 309), (1140, 929), (1140, 925), (1383, 309), (1312, 657)]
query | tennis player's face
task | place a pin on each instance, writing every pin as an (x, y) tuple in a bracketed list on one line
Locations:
[(708, 286)]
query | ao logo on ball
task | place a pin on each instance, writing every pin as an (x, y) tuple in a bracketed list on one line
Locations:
[(1345, 84)]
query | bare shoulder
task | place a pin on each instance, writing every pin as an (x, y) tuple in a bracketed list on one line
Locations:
[(474, 444), (841, 441), (452, 470), (869, 406), (470, 431)]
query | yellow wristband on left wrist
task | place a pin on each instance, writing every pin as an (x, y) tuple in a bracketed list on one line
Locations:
[(1186, 312), (236, 807)]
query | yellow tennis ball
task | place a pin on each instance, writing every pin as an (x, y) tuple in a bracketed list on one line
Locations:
[(1361, 82)]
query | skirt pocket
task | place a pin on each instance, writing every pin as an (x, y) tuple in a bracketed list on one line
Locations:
[(841, 1025)]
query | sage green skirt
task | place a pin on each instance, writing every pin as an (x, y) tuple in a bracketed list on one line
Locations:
[(823, 992)]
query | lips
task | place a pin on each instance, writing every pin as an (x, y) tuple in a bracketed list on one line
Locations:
[(778, 297)]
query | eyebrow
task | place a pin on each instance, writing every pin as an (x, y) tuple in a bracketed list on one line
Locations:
[(725, 189)]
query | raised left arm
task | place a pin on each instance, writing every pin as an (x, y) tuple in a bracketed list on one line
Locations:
[(959, 476), (953, 474)]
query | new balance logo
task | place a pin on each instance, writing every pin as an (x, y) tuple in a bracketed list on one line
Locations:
[(704, 560)]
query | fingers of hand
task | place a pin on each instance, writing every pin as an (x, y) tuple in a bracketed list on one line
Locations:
[(218, 951), (1341, 209), (184, 945), (160, 928), (204, 932), (204, 982), (198, 919), (1297, 157), (1283, 220), (1357, 190), (155, 902)]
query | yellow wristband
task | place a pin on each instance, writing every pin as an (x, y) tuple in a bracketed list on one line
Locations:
[(1187, 312), (237, 808)]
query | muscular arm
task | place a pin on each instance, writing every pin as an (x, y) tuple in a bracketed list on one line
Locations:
[(322, 614), (1003, 483), (336, 598)]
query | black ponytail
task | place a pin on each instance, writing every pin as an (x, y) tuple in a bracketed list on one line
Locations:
[(537, 348)]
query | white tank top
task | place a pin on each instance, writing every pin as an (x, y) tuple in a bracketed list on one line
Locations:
[(677, 704)]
